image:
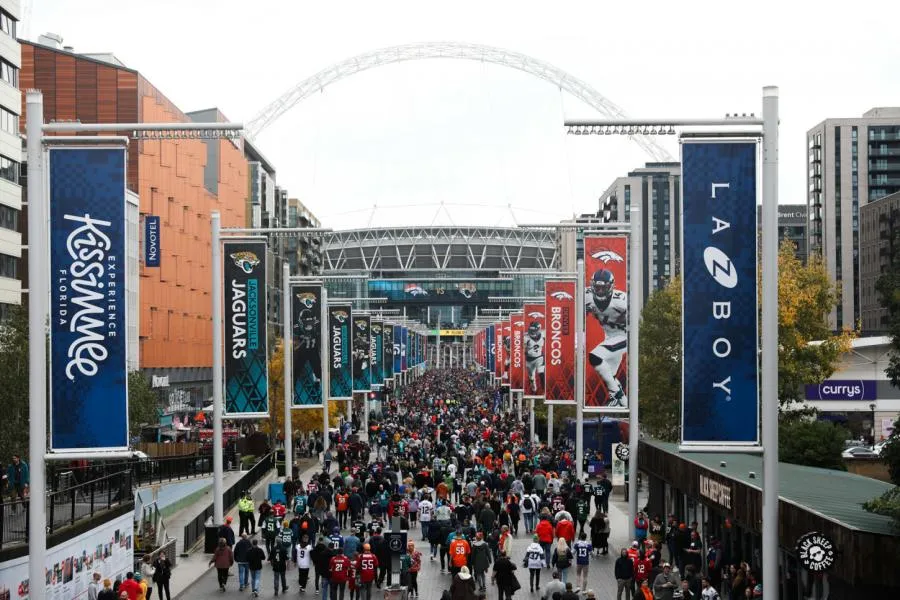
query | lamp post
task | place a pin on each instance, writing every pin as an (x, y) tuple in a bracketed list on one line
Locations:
[(872, 408)]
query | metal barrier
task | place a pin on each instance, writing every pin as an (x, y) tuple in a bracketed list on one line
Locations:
[(67, 506), (195, 530), (168, 549)]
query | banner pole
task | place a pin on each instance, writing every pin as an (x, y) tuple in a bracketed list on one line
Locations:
[(635, 299), (769, 345), (287, 356), (326, 372), (218, 400), (531, 420), (549, 425), (38, 310), (579, 371)]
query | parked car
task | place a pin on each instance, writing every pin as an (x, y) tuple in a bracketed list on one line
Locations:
[(879, 447), (859, 452)]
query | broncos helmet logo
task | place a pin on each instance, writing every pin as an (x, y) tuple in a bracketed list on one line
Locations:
[(415, 290), (536, 315), (607, 256), (561, 295), (245, 261), (307, 299), (339, 315)]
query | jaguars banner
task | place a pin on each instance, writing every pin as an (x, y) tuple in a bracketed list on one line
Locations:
[(376, 354), (306, 358), (404, 346), (387, 336), (606, 323), (88, 351), (720, 368), (516, 351), (246, 351), (534, 351), (397, 340), (340, 319), (560, 345), (362, 348)]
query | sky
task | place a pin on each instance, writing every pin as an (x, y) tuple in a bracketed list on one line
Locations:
[(471, 143)]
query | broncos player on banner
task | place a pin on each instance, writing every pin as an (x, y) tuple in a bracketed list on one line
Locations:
[(610, 307), (534, 354)]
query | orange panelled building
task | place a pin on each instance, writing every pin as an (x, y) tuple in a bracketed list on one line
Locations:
[(181, 181)]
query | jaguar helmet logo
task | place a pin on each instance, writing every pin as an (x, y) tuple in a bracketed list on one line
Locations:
[(307, 299), (376, 329), (607, 256), (340, 316), (467, 290), (561, 295), (361, 324), (245, 261)]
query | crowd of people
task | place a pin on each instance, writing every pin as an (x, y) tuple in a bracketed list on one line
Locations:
[(458, 475)]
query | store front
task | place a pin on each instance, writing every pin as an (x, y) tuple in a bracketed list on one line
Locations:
[(721, 493)]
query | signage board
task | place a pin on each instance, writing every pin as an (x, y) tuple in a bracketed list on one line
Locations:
[(340, 319), (840, 389), (306, 355), (534, 350), (151, 241), (560, 344)]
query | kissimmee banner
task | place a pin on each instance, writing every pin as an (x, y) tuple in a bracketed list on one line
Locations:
[(246, 351), (720, 391), (534, 351), (560, 345), (516, 351), (376, 352), (88, 350), (387, 336), (362, 347), (397, 341), (340, 351), (306, 356), (606, 323), (404, 347)]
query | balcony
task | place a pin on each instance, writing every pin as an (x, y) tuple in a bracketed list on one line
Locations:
[(873, 151), (883, 136), (891, 166), (884, 181)]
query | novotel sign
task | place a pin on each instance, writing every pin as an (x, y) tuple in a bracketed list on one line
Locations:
[(841, 389)]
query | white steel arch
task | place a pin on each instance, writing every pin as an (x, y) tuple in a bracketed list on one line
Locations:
[(426, 50)]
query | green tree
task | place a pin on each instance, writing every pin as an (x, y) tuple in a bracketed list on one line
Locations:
[(143, 403), (14, 384), (888, 288), (812, 443), (660, 363), (888, 504)]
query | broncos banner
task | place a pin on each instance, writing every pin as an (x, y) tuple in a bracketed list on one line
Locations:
[(88, 350), (516, 351), (534, 351), (246, 352), (505, 346), (376, 353), (362, 348), (306, 357), (387, 336), (560, 345), (340, 340), (719, 303), (606, 323)]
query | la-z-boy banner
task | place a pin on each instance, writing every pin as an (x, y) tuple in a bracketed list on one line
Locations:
[(606, 323), (246, 352), (340, 341), (306, 357), (362, 347), (88, 351), (560, 344), (719, 293), (516, 352), (534, 350)]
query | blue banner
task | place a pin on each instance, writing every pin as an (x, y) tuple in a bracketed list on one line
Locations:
[(151, 241), (404, 344), (306, 354), (362, 353), (341, 346), (88, 350), (376, 351), (387, 333), (397, 362), (720, 396), (491, 366)]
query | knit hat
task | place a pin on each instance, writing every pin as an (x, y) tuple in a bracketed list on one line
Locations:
[(536, 538)]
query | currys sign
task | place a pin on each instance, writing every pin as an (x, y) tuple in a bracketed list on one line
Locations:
[(88, 351), (838, 389), (720, 386)]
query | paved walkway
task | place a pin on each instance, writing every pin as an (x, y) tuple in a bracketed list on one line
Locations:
[(431, 581)]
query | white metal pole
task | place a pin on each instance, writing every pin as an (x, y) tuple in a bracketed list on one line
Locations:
[(635, 299), (519, 407), (326, 371), (549, 425), (531, 420), (218, 390), (769, 379), (579, 371), (287, 354), (38, 311)]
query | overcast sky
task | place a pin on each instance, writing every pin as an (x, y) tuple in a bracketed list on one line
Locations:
[(480, 137)]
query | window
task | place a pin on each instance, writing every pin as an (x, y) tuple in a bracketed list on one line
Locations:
[(7, 24), (9, 73), (9, 169), (8, 266), (9, 218), (5, 311), (9, 121)]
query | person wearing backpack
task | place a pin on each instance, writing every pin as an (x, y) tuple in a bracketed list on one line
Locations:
[(562, 558), (528, 506)]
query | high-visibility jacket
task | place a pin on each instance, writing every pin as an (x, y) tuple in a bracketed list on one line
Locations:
[(245, 505)]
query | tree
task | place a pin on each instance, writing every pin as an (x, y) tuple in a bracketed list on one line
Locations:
[(888, 288), (888, 504), (143, 403), (660, 363), (302, 419), (14, 384), (812, 443)]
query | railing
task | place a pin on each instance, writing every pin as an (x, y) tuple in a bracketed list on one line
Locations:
[(195, 530), (67, 506)]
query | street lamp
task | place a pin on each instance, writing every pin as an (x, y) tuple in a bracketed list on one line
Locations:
[(872, 408)]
